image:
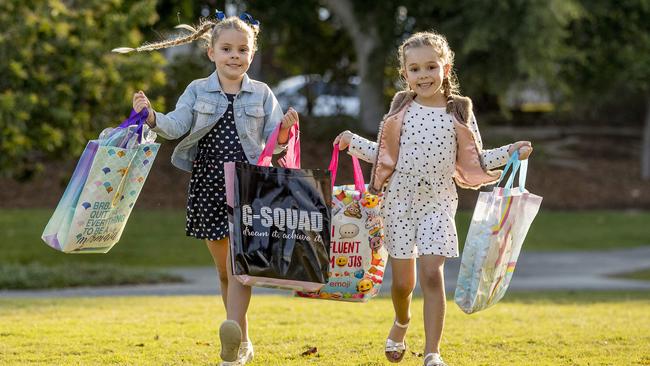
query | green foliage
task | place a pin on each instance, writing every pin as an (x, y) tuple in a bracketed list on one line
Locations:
[(37, 276), (295, 39), (498, 43), (60, 83), (611, 46)]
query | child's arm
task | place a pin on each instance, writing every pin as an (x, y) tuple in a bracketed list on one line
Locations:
[(358, 146), (173, 124), (495, 158)]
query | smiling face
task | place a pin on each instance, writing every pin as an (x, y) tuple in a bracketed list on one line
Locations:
[(232, 52), (424, 72)]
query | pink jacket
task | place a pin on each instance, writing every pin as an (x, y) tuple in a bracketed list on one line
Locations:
[(471, 171)]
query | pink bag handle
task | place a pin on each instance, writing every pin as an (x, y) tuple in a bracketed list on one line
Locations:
[(359, 184), (292, 158)]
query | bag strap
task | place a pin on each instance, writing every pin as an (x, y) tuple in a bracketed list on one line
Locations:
[(137, 119), (520, 166), (359, 183), (292, 157)]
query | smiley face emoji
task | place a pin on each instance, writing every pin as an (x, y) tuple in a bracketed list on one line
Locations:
[(341, 261), (370, 201), (364, 286)]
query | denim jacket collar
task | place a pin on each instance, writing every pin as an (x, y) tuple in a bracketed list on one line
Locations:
[(214, 85)]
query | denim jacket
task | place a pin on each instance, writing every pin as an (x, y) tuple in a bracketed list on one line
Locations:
[(203, 103)]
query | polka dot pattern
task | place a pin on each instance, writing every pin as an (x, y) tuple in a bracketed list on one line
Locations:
[(420, 201), (207, 216)]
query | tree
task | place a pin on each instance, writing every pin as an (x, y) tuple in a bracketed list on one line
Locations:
[(496, 42), (612, 58), (60, 83)]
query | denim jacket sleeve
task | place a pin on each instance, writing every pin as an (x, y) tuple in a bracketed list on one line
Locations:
[(272, 117), (179, 121)]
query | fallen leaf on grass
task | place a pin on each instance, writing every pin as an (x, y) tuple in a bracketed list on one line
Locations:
[(310, 352)]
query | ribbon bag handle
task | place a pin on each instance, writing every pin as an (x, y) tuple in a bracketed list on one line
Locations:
[(292, 157), (520, 166), (359, 183), (135, 118)]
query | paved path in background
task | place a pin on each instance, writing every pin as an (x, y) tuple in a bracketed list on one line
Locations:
[(535, 271)]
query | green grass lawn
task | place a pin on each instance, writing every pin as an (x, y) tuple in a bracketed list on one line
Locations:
[(556, 328), (157, 238)]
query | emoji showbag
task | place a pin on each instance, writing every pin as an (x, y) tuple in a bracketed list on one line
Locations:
[(99, 198), (357, 254)]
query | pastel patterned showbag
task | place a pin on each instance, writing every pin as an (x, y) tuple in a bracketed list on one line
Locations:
[(499, 226), (99, 198)]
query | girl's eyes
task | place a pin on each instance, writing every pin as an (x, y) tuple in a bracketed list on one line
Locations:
[(242, 50), (415, 69)]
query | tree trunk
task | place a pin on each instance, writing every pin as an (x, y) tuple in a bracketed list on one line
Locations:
[(371, 57), (645, 149)]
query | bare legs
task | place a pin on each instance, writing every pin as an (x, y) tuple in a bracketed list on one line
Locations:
[(236, 297), (401, 293), (239, 297), (430, 271), (432, 283), (219, 251)]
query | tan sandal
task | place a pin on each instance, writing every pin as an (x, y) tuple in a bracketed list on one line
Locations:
[(393, 347), (434, 359)]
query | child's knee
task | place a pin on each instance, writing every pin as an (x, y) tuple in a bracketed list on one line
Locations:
[(432, 276), (402, 288)]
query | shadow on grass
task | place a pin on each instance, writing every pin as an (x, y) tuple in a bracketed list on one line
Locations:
[(560, 297), (38, 276)]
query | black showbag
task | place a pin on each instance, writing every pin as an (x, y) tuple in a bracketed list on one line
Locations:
[(280, 223)]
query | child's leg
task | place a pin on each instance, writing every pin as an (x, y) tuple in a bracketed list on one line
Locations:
[(239, 297), (432, 282), (219, 251), (401, 293)]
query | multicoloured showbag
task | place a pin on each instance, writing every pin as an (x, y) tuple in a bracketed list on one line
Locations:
[(499, 225), (96, 205), (279, 222), (357, 254)]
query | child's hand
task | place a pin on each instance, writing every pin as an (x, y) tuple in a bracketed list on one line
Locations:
[(343, 139), (525, 148), (289, 119), (140, 102)]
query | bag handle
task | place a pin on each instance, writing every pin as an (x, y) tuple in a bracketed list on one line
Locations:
[(292, 157), (517, 165), (359, 183), (135, 118)]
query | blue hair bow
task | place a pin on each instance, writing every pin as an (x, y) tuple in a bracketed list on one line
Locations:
[(249, 19), (220, 15)]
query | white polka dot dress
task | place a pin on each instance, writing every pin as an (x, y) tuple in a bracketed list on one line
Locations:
[(420, 201), (207, 217)]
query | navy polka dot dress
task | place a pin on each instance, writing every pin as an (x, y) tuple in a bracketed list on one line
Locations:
[(207, 217)]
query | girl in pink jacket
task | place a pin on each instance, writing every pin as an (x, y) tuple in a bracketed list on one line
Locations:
[(428, 142)]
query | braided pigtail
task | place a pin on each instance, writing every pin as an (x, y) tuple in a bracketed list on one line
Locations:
[(200, 33)]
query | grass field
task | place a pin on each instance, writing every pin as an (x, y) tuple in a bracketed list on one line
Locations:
[(556, 328), (157, 238)]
